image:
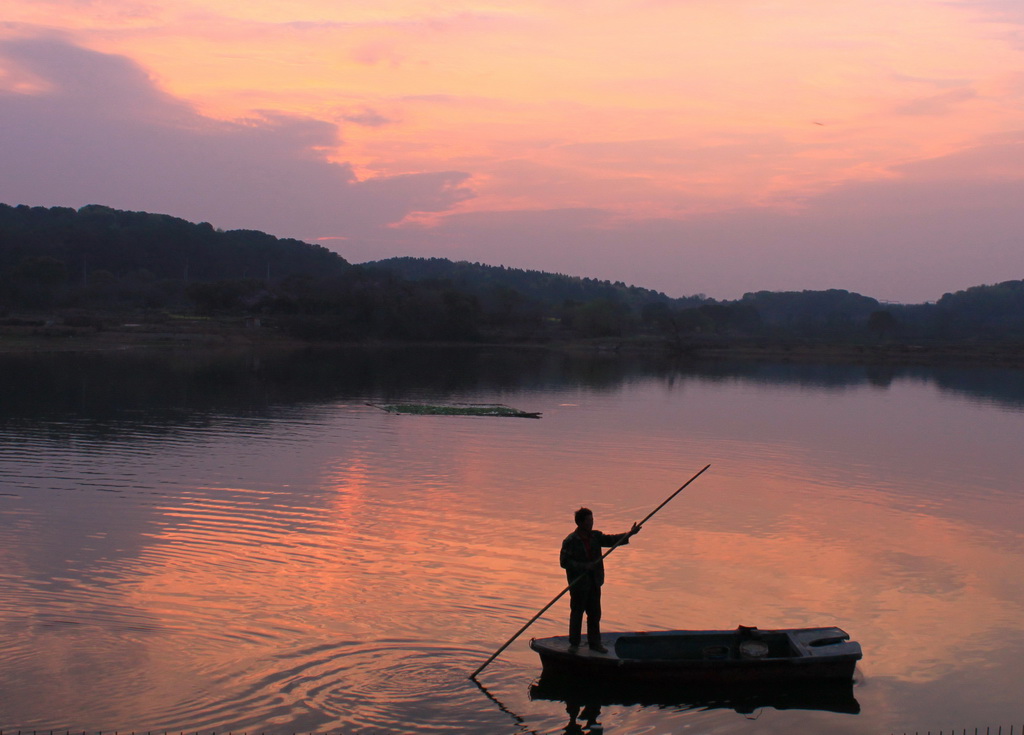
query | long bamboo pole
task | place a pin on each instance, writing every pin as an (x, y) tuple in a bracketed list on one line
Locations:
[(559, 596)]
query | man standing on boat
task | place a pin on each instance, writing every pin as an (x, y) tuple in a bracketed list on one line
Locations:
[(584, 569)]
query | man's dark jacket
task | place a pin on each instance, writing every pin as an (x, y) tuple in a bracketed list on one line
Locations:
[(574, 558)]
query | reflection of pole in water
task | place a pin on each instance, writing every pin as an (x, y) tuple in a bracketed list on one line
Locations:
[(519, 720)]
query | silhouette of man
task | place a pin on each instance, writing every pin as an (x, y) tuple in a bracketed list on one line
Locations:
[(584, 569)]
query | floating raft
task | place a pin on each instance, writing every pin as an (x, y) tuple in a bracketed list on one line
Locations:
[(457, 409)]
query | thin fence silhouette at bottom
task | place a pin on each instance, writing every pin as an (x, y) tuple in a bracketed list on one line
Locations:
[(988, 730), (141, 732)]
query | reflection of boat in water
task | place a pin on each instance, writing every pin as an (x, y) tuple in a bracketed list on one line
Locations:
[(590, 695), (705, 657)]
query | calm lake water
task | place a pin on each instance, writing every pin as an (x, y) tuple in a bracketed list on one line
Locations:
[(233, 543)]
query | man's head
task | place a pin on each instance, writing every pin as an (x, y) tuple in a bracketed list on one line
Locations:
[(584, 519)]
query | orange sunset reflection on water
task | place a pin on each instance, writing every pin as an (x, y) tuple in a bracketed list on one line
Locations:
[(342, 567)]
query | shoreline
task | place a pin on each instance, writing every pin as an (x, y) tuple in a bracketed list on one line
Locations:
[(1009, 355), (219, 334)]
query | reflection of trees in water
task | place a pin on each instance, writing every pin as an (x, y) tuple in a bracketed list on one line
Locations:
[(182, 388), (1004, 386), (174, 384)]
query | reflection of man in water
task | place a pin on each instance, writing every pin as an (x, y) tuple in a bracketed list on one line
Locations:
[(581, 558), (590, 714)]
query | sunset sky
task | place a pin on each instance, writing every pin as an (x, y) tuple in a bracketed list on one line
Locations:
[(691, 146)]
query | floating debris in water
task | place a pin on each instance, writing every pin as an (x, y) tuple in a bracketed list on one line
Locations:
[(457, 409)]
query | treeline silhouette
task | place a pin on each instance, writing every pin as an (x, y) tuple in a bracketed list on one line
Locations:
[(96, 263)]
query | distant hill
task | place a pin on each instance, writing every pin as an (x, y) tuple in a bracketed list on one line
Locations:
[(97, 238), (97, 259), (995, 310), (811, 312), (538, 286)]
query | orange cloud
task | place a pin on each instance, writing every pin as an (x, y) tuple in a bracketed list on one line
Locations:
[(637, 114), (664, 109)]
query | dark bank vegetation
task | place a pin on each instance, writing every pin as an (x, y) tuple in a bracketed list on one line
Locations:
[(67, 272)]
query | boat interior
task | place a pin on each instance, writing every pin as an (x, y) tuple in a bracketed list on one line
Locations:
[(704, 646)]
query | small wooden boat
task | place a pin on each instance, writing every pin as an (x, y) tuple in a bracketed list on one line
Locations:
[(708, 656)]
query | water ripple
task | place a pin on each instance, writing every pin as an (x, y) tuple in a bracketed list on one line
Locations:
[(367, 687)]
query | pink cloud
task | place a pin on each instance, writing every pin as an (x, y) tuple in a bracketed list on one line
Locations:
[(938, 104), (95, 128), (102, 132), (938, 226)]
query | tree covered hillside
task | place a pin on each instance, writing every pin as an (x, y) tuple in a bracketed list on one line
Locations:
[(520, 301), (538, 286), (96, 238), (102, 261)]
